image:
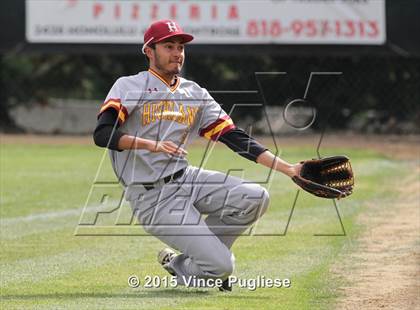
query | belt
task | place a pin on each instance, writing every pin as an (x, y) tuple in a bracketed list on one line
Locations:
[(167, 179)]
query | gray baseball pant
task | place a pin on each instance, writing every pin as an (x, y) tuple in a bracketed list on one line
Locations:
[(174, 213)]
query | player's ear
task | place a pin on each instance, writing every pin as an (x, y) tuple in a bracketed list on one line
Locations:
[(150, 52)]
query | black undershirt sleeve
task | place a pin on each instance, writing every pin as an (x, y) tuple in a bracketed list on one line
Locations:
[(236, 139), (240, 142), (104, 131)]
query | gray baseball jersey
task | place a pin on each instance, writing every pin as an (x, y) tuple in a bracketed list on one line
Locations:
[(149, 108)]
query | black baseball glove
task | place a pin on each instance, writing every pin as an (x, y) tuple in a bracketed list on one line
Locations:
[(329, 177)]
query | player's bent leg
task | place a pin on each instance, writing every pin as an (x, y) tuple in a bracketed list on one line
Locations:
[(245, 204), (203, 254), (218, 266), (230, 198), (242, 206)]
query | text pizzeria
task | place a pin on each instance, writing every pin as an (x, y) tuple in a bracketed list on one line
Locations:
[(139, 11)]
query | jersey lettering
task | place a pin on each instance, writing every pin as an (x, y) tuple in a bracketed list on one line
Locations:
[(168, 111)]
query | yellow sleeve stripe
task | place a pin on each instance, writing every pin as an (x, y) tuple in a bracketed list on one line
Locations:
[(111, 104), (121, 115), (116, 105), (218, 128)]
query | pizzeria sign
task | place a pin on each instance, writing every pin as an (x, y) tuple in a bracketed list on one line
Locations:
[(211, 22)]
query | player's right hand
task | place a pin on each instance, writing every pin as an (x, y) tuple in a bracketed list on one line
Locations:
[(166, 147)]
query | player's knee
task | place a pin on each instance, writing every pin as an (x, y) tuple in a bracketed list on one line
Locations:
[(265, 200), (224, 265), (261, 204)]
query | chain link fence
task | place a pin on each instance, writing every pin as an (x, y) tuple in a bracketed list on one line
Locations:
[(370, 94), (374, 94)]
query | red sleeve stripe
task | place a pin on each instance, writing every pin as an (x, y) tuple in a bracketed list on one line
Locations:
[(221, 128), (216, 136), (213, 125), (117, 106)]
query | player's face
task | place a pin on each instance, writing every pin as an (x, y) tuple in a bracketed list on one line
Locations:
[(169, 56)]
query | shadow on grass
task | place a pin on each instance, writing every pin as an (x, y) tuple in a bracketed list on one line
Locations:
[(158, 293), (135, 294)]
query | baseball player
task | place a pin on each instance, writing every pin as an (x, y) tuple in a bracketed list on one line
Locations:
[(147, 122)]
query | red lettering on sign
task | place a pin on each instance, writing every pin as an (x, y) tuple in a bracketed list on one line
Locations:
[(275, 29), (325, 29), (296, 27), (252, 29), (264, 27), (194, 11), (213, 12), (311, 28), (135, 11), (361, 26), (314, 28), (97, 9), (71, 3), (154, 11), (337, 28), (117, 11), (374, 27), (350, 27), (173, 11), (233, 12)]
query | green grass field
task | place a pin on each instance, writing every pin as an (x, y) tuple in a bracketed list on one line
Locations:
[(45, 266)]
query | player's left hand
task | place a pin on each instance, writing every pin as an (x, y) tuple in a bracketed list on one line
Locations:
[(294, 170), (167, 147)]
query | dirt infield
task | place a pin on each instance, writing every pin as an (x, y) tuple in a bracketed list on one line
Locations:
[(388, 257)]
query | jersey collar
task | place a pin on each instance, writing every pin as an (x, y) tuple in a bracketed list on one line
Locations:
[(173, 87)]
